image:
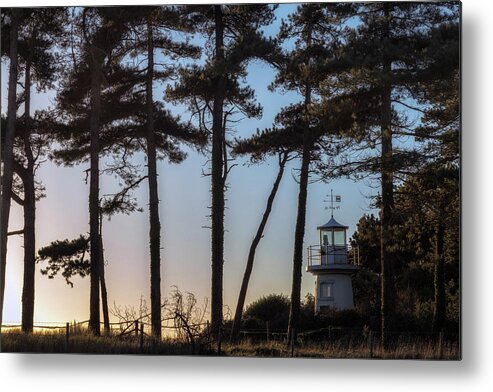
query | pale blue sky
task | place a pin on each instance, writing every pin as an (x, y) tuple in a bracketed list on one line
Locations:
[(184, 196)]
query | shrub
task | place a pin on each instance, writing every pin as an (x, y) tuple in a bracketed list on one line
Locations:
[(273, 308)]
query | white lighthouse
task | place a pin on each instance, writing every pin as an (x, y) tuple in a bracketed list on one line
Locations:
[(333, 263)]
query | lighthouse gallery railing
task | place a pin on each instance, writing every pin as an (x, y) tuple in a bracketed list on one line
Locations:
[(333, 254)]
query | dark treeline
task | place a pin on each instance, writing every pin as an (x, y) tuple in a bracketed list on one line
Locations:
[(378, 88)]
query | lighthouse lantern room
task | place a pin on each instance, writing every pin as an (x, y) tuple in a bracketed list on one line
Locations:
[(333, 263)]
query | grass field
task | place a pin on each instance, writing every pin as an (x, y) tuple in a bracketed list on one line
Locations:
[(53, 342)]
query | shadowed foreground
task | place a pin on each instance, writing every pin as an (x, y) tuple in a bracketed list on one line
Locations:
[(86, 343)]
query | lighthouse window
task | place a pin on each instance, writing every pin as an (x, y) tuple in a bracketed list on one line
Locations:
[(339, 238), (326, 290)]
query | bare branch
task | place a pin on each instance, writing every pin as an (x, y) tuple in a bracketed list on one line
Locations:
[(16, 232)]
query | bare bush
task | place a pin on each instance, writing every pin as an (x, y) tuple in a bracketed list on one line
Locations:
[(180, 312), (187, 316)]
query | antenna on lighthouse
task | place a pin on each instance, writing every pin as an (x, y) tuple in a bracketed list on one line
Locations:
[(333, 199)]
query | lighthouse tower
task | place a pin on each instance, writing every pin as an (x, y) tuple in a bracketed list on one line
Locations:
[(333, 263)]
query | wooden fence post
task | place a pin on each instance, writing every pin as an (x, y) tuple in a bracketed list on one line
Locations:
[(293, 334), (141, 337), (370, 338), (136, 327), (219, 342), (67, 332), (440, 345)]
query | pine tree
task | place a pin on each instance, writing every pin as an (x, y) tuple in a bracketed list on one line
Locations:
[(437, 179), (69, 256), (101, 32), (384, 53), (259, 146), (95, 46), (39, 31), (214, 93), (159, 20), (8, 149), (316, 32), (126, 108)]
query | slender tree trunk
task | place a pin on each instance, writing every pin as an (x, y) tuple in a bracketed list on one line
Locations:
[(104, 291), (154, 223), (29, 210), (387, 180), (294, 311), (8, 154), (96, 80), (104, 294), (439, 280), (299, 235), (217, 240), (253, 247)]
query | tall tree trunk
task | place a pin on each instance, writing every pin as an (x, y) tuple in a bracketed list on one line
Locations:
[(218, 176), (8, 154), (387, 180), (154, 224), (96, 80), (299, 235), (253, 247), (104, 291), (439, 279), (29, 209), (294, 311)]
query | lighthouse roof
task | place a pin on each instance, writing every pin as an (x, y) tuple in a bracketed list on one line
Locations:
[(332, 223)]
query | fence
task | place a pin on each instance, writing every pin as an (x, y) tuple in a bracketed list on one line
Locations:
[(434, 345), (137, 330), (340, 338)]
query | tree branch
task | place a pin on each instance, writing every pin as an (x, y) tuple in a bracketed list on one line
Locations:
[(16, 232), (17, 198)]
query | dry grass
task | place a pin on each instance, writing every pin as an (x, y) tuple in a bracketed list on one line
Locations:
[(336, 349), (54, 342)]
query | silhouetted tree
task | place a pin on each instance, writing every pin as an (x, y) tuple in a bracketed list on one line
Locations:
[(40, 31), (8, 148), (67, 256), (158, 22), (384, 69), (125, 110), (367, 239), (214, 93), (101, 31), (269, 142), (316, 32), (438, 181)]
